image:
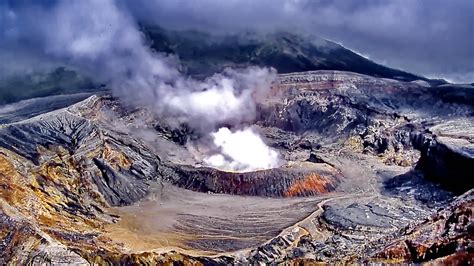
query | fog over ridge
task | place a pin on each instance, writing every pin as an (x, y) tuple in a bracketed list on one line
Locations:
[(426, 37), (101, 38)]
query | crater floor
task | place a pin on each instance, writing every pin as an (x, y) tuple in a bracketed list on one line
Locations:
[(207, 224), (376, 170)]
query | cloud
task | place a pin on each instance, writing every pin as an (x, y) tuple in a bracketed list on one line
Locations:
[(428, 37), (101, 38)]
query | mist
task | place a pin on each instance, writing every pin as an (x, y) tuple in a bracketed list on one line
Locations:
[(101, 38), (426, 37), (433, 38)]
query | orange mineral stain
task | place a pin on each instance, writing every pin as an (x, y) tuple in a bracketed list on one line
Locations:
[(310, 184)]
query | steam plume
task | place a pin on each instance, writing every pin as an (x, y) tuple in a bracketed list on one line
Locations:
[(101, 38), (242, 150)]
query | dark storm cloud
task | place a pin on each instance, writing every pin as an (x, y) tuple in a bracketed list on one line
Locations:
[(429, 37)]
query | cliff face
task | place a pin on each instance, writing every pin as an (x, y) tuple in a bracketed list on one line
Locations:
[(368, 162), (445, 237)]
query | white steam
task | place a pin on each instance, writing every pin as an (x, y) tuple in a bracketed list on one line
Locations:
[(242, 150), (101, 38), (228, 97)]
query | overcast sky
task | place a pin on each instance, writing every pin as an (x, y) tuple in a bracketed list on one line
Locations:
[(434, 38)]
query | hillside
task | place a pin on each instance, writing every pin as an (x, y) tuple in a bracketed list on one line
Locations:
[(380, 167), (202, 55)]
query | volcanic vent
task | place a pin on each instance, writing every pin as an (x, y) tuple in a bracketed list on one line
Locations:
[(194, 162), (241, 151), (102, 179)]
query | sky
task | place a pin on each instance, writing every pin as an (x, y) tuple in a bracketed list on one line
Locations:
[(434, 38), (102, 39)]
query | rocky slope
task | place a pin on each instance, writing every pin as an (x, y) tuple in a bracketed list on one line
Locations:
[(376, 170)]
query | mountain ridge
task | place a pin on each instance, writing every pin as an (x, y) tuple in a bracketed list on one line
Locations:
[(201, 55), (285, 51), (374, 165)]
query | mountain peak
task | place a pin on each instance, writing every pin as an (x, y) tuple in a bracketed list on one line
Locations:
[(202, 54)]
